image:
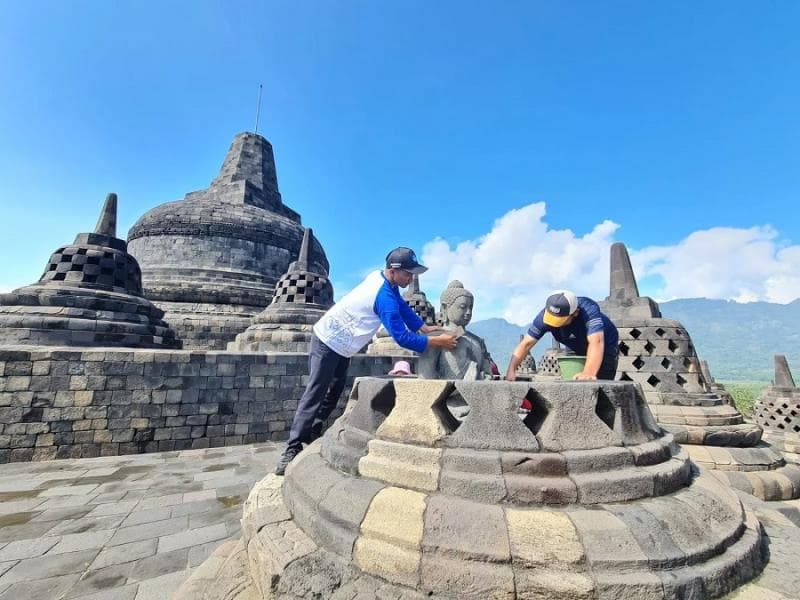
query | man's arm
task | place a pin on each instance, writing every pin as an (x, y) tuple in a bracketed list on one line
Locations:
[(518, 355), (594, 356)]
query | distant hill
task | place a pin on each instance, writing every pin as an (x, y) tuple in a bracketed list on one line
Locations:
[(738, 340)]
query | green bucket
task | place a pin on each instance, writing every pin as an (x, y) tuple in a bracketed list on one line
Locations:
[(570, 366)]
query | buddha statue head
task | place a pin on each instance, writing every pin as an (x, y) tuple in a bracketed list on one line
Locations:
[(456, 305)]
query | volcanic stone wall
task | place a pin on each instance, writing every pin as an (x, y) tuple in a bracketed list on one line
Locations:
[(66, 403)]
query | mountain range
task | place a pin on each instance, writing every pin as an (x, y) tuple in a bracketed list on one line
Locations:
[(738, 340)]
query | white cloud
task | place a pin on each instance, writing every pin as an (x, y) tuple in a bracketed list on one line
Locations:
[(723, 262), (512, 268)]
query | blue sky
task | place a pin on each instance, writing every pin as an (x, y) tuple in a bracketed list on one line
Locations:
[(508, 143)]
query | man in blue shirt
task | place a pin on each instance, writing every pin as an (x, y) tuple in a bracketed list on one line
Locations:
[(347, 327), (578, 324)]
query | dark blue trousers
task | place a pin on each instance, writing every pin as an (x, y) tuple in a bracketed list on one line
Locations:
[(327, 375)]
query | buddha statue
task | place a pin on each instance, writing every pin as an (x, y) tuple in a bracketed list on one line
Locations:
[(470, 359)]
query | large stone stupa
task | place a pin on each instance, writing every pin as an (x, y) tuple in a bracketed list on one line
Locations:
[(587, 499), (658, 354), (302, 296), (212, 260), (89, 295)]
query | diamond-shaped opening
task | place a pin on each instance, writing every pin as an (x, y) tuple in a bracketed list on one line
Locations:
[(649, 347), (653, 381), (624, 377), (635, 333), (679, 331), (538, 412), (687, 362), (787, 419), (638, 362), (381, 404), (796, 428), (660, 332), (784, 406), (623, 348), (672, 346), (665, 363), (451, 410), (681, 381), (605, 409)]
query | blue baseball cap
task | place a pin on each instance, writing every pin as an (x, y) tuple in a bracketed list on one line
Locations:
[(405, 259)]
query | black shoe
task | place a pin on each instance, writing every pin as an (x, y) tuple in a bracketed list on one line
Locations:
[(287, 457)]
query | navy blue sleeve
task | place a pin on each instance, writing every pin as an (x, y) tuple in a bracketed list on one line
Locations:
[(538, 328), (388, 310), (591, 315)]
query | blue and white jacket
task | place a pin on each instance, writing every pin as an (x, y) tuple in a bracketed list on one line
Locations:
[(350, 324)]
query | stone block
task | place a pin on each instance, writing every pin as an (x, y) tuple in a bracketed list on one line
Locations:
[(474, 580), (542, 538), (400, 464), (465, 529), (552, 584), (413, 418)]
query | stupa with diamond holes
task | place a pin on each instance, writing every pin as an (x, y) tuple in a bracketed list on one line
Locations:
[(526, 368), (587, 498), (658, 354), (89, 295), (777, 410), (301, 297), (383, 343), (548, 364), (211, 260), (712, 384)]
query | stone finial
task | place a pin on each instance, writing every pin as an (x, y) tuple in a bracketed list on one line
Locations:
[(250, 160), (413, 287), (783, 376), (107, 223), (301, 264), (706, 372), (623, 280)]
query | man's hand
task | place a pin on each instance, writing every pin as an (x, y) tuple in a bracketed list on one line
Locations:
[(511, 376), (446, 341), (584, 376)]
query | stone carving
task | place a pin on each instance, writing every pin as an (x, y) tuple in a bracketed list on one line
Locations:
[(211, 260), (590, 499), (383, 343), (658, 354), (470, 359), (89, 295), (301, 297), (777, 410)]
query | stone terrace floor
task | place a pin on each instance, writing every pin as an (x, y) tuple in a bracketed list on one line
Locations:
[(136, 526), (123, 527)]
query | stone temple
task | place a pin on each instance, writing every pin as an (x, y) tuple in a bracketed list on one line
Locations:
[(658, 354), (589, 499), (211, 260), (89, 295), (777, 410)]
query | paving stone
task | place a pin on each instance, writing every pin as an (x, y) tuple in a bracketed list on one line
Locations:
[(26, 531), (145, 531), (68, 490), (161, 588), (51, 587), (23, 549), (48, 566), (82, 541), (101, 579), (113, 508), (193, 537), (149, 515), (124, 553), (197, 554), (161, 564), (85, 524), (126, 592)]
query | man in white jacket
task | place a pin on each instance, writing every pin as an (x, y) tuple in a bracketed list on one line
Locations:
[(346, 328)]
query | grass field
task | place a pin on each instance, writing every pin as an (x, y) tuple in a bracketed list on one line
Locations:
[(744, 394)]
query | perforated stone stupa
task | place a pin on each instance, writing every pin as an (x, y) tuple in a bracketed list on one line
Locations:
[(212, 260), (658, 354), (777, 410), (383, 343), (586, 499), (301, 297), (89, 295)]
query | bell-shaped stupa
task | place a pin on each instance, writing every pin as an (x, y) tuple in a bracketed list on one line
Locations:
[(212, 260), (658, 354), (587, 498), (89, 295), (777, 410), (301, 297)]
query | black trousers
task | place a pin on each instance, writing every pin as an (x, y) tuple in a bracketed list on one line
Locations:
[(327, 375), (608, 368)]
